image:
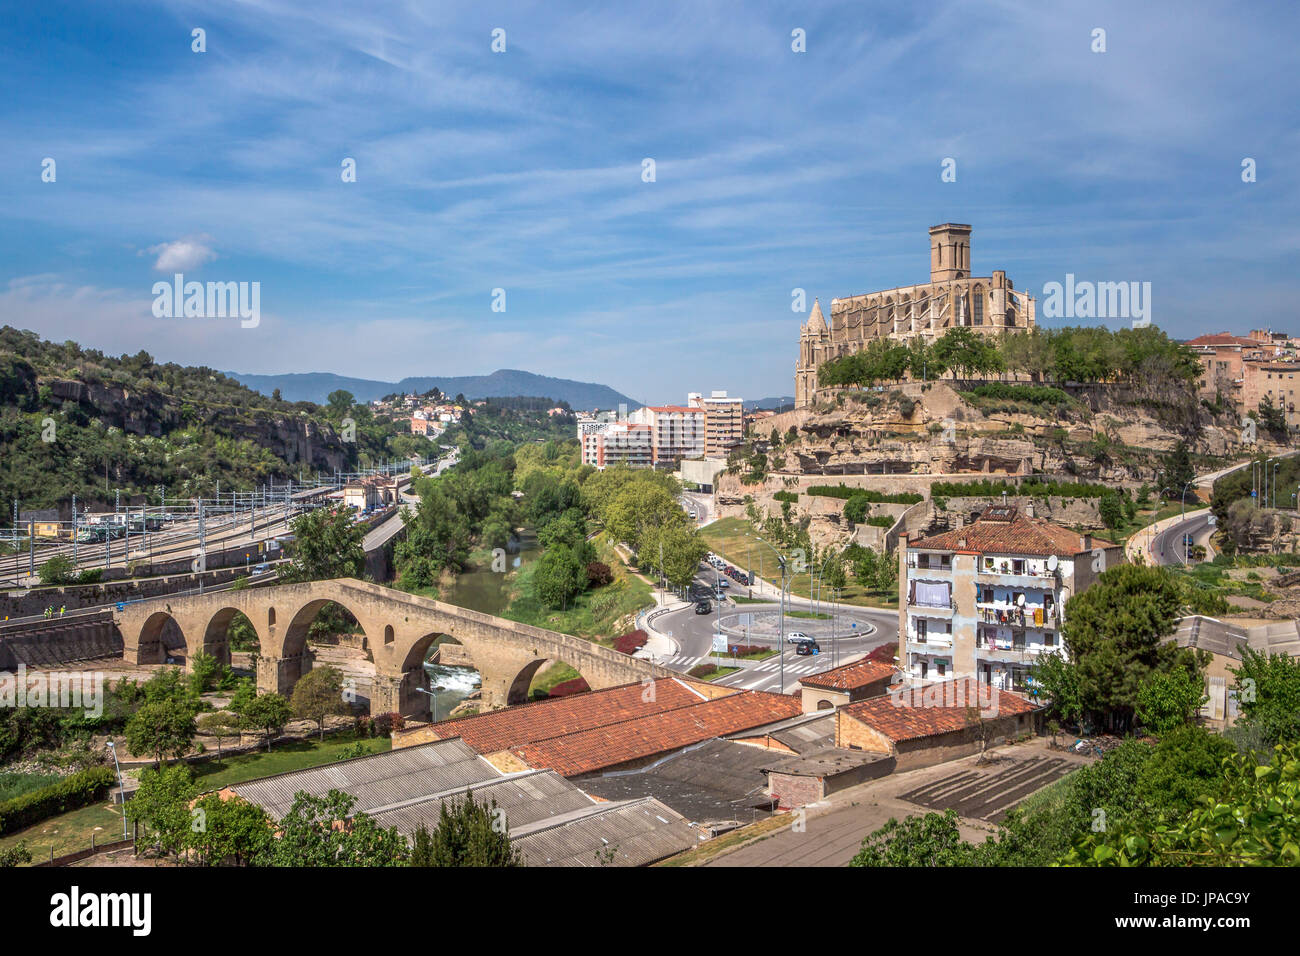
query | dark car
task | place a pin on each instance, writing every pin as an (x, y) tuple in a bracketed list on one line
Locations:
[(703, 607), (805, 648)]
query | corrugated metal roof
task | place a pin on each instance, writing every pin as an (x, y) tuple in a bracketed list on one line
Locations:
[(525, 800), (634, 833), (377, 780)]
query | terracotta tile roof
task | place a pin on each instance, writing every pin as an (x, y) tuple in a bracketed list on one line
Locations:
[(503, 729), (850, 676), (614, 744), (912, 713), (1020, 535), (1220, 338)]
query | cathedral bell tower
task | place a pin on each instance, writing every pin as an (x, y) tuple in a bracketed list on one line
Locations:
[(949, 252)]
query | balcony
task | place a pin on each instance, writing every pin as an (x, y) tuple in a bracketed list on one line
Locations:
[(1022, 580), (1015, 651), (1010, 615), (930, 644)]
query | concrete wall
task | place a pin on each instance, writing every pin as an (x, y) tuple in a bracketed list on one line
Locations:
[(28, 602)]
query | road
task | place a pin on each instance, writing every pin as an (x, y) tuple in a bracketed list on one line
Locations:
[(852, 633)]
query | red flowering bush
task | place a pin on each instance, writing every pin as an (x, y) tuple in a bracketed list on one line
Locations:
[(631, 642), (565, 688), (884, 654)]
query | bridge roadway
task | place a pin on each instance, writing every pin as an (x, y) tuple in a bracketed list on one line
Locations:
[(400, 629)]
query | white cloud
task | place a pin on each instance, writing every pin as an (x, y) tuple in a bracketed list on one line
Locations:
[(183, 254)]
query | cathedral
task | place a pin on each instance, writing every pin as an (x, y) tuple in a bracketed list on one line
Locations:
[(952, 297)]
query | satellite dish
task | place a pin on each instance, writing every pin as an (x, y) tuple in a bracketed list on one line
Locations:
[(1020, 600), (1051, 562)]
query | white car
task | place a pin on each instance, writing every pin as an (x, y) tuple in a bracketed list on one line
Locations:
[(797, 637)]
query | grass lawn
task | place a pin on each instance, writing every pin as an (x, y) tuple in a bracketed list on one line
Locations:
[(727, 537), (809, 615), (69, 832), (16, 784), (284, 756)]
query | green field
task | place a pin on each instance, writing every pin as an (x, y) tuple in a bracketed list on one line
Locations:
[(70, 832)]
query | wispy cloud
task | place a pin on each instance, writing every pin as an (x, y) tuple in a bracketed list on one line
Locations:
[(522, 170)]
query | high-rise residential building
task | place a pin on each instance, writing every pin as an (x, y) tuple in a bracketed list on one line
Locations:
[(985, 600), (677, 431), (724, 421), (616, 443)]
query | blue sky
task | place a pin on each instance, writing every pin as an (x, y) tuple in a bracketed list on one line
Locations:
[(521, 170)]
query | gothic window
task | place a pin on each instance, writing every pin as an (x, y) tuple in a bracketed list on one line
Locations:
[(977, 306)]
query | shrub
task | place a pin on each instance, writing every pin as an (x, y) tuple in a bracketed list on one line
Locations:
[(631, 642), (702, 670), (386, 724), (844, 492), (599, 574), (566, 688), (789, 496), (70, 793)]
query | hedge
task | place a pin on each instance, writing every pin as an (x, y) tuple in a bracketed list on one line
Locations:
[(1032, 489), (1033, 394), (70, 793), (789, 496), (875, 497)]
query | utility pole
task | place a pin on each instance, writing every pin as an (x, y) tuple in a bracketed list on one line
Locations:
[(74, 531)]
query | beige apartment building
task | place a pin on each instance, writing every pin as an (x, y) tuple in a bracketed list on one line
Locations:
[(616, 443), (985, 600), (1244, 370), (724, 422), (676, 431), (952, 298)]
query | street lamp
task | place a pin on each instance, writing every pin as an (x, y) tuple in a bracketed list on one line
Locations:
[(121, 785), (433, 694), (785, 584)]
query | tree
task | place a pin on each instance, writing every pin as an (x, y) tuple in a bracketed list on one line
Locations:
[(1267, 687), (1111, 509), (327, 544), (1170, 699), (15, 856), (162, 728), (1178, 470), (469, 833), (856, 508), (269, 713), (1252, 820), (230, 829), (931, 840), (57, 570), (1114, 635), (558, 576), (324, 831), (220, 724), (162, 805), (340, 402), (317, 695)]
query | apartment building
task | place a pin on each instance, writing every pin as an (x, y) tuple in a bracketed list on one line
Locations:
[(985, 600), (677, 431), (724, 421), (616, 443), (1244, 370)]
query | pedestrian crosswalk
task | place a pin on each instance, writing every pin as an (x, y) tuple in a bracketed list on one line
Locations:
[(684, 662)]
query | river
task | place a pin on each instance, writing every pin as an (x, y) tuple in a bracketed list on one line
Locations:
[(480, 589)]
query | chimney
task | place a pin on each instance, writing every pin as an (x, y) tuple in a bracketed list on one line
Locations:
[(1085, 542), (1029, 508)]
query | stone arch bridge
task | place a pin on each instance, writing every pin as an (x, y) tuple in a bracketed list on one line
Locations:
[(400, 628)]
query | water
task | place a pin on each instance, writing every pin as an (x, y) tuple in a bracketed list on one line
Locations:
[(485, 590)]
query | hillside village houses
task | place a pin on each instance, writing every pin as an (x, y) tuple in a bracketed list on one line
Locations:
[(1244, 370), (983, 601)]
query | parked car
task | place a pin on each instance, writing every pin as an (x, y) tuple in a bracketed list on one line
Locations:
[(722, 583), (261, 569), (807, 648), (703, 607), (798, 637)]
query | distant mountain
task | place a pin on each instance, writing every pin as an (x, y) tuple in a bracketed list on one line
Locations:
[(315, 386), (771, 404)]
